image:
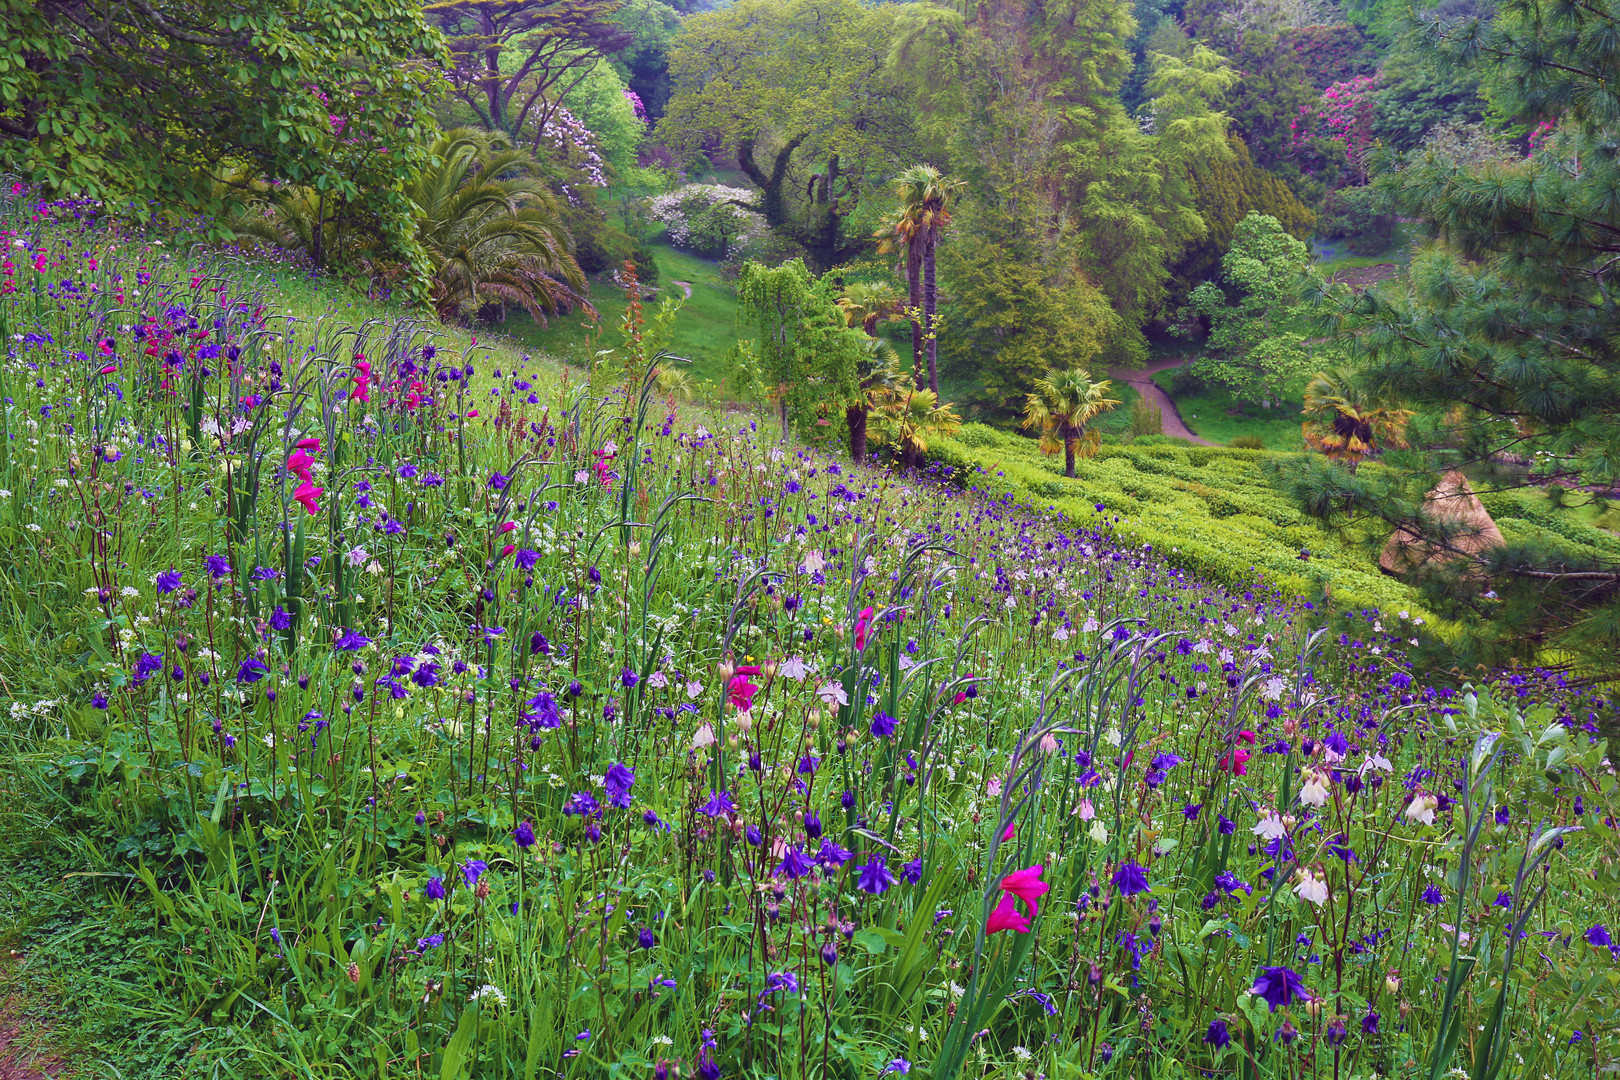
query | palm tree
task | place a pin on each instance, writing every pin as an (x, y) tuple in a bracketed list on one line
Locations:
[(1061, 407), (881, 377), (493, 229), (867, 303), (910, 417), (924, 212), (1348, 423)]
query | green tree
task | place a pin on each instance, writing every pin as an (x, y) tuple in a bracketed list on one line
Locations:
[(1505, 340), (1227, 191), (802, 355), (1061, 406), (155, 106), (644, 63), (800, 90), (1256, 313), (924, 214), (513, 61)]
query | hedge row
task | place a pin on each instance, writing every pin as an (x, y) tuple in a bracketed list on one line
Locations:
[(1211, 510)]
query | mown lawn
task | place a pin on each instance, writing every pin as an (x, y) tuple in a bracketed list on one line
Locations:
[(1217, 416)]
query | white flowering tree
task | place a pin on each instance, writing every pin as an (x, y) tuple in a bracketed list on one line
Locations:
[(706, 219)]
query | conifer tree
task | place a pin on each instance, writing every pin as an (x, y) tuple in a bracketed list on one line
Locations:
[(1507, 339)]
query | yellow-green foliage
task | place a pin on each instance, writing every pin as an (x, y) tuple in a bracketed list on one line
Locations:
[(1210, 510)]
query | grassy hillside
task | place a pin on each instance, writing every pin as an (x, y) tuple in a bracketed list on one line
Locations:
[(704, 334)]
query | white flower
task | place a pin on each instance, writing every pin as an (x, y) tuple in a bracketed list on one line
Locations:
[(130, 591), (1204, 645), (658, 680), (870, 565), (33, 526), (1270, 826), (813, 562), (662, 1040), (694, 689), (1314, 791), (494, 993), (1061, 633), (793, 668), (1021, 1054), (1090, 626), (833, 694), (703, 737), (1422, 808), (1273, 688), (1098, 832), (357, 556), (581, 476), (1311, 888)]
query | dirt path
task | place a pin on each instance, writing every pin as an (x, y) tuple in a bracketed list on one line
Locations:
[(1141, 380), (686, 287), (20, 1058)]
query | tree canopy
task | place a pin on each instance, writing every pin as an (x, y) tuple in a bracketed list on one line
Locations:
[(154, 106), (1506, 338)]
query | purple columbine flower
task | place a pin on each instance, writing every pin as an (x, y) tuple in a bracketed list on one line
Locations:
[(874, 877), (435, 889), (351, 641), (883, 725), (794, 864), (524, 835), (1217, 1035), (168, 581), (1131, 879), (618, 781), (719, 805), (472, 869), (1279, 986)]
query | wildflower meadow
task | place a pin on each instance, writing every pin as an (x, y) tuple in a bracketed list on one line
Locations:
[(383, 702)]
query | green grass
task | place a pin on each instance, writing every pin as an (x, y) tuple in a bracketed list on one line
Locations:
[(1217, 416), (704, 334)]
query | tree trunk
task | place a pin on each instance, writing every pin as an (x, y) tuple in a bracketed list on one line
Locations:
[(913, 304), (930, 305), (855, 419), (782, 412), (1068, 458)]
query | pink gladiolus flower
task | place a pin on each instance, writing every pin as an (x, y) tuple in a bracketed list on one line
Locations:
[(507, 550), (1007, 833), (299, 465), (109, 369), (962, 695), (1027, 885), (1006, 917), (740, 692), (862, 622), (508, 526), (306, 495), (1235, 762), (1247, 736), (312, 444)]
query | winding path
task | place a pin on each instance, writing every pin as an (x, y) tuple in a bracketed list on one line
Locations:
[(686, 287), (1141, 379)]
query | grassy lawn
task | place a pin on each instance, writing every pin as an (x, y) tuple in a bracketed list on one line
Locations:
[(704, 332), (1585, 508), (1215, 415)]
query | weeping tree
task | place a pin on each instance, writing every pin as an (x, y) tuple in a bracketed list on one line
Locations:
[(1506, 341), (801, 356)]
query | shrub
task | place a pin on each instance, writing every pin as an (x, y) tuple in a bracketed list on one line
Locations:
[(1146, 419), (1248, 442)]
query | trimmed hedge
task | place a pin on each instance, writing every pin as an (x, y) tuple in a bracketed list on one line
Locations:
[(1210, 510)]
